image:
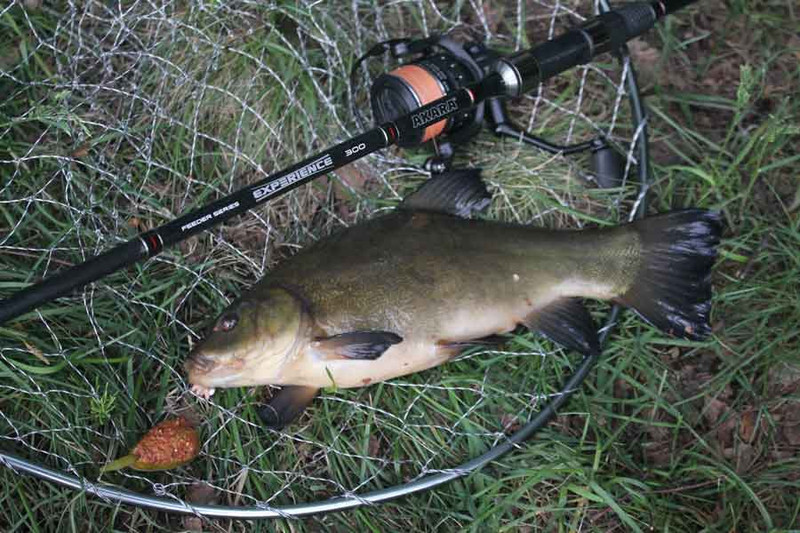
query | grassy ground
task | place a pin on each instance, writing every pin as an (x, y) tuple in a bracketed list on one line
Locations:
[(664, 435)]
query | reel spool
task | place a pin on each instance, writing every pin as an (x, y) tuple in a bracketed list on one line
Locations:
[(426, 79)]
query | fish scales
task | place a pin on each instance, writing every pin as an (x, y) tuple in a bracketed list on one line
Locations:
[(436, 280), (416, 273)]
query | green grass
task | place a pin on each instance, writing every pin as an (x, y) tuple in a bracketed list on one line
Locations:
[(664, 435)]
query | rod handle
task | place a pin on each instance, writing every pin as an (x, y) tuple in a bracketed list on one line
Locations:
[(523, 71)]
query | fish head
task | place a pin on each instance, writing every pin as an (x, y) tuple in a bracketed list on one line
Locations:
[(249, 342)]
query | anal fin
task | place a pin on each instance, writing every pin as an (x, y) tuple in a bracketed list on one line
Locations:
[(286, 405), (488, 341), (566, 322)]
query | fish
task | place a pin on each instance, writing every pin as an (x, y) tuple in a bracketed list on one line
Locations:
[(408, 290)]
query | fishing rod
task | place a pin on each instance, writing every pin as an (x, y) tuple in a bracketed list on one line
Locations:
[(509, 76)]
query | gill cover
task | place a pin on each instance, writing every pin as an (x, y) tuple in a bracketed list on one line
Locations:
[(266, 322)]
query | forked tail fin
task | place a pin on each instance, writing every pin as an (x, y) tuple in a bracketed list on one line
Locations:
[(672, 288)]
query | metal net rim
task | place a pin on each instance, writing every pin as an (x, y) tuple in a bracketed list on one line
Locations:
[(353, 500)]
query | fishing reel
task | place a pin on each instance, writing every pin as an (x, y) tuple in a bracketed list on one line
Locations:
[(437, 66)]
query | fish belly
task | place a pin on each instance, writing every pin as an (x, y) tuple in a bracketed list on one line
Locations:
[(402, 359)]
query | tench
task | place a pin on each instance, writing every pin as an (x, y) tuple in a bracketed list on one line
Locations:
[(408, 290)]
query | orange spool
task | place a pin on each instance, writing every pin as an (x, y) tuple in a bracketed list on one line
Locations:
[(427, 88)]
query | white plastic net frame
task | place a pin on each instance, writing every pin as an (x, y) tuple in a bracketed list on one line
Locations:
[(118, 119)]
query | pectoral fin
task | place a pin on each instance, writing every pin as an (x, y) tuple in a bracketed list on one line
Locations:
[(457, 192), (568, 323), (356, 344), (287, 404)]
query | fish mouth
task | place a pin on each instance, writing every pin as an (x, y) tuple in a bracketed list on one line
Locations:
[(211, 371), (199, 364)]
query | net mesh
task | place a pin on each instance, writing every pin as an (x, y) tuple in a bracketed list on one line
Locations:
[(116, 118)]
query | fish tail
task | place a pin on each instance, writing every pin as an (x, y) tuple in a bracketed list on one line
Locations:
[(672, 286)]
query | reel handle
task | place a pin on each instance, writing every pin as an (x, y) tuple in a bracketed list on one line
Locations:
[(607, 163), (607, 167), (502, 126)]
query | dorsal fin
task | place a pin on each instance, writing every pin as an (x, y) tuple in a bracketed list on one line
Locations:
[(457, 192)]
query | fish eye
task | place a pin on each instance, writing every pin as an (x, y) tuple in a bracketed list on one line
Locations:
[(227, 322)]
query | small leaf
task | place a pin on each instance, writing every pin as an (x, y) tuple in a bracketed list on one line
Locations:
[(333, 386), (584, 492), (36, 353), (81, 151), (746, 84)]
